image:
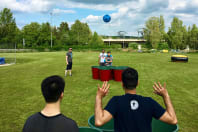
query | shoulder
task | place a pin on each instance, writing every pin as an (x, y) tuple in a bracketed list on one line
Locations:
[(68, 120), (145, 98), (149, 100), (33, 117), (116, 98)]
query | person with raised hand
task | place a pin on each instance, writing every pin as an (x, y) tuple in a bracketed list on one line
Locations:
[(133, 112)]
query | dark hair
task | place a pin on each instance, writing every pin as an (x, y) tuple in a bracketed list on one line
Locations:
[(108, 52), (52, 87), (130, 78)]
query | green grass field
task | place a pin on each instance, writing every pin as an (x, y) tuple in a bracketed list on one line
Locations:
[(20, 90)]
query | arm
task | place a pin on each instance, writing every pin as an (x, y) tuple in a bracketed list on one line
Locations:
[(101, 116), (169, 116), (111, 60), (106, 60), (99, 59), (67, 60)]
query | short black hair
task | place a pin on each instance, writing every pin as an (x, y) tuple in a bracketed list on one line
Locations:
[(108, 52), (52, 87), (130, 78)]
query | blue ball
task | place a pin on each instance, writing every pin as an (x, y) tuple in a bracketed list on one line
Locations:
[(106, 18)]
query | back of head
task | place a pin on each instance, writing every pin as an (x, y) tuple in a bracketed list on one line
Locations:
[(130, 78), (52, 87)]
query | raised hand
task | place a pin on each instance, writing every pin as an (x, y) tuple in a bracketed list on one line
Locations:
[(159, 89), (103, 91)]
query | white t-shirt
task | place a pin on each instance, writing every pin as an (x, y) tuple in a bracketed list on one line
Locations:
[(102, 57)]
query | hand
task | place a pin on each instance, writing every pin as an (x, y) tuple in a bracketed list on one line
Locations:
[(160, 90), (67, 63), (103, 91)]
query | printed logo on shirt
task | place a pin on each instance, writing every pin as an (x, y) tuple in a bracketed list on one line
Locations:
[(134, 105)]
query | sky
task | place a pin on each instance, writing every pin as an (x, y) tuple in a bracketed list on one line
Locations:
[(126, 15)]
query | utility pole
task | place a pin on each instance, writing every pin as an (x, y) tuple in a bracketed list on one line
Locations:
[(51, 28)]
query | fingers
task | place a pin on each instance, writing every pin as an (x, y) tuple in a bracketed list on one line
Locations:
[(98, 86), (160, 86), (159, 89), (164, 85), (155, 90), (105, 86), (156, 87)]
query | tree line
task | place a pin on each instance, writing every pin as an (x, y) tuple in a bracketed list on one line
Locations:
[(179, 36), (36, 35)]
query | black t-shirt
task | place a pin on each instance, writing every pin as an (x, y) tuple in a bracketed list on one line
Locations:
[(69, 54), (133, 113), (41, 123)]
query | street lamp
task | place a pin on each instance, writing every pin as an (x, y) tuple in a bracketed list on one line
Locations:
[(51, 27)]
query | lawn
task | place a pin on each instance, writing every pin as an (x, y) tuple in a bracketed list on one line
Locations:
[(20, 90)]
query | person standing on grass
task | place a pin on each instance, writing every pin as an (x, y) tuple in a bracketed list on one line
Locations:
[(69, 62), (50, 118), (109, 59), (101, 59), (133, 112)]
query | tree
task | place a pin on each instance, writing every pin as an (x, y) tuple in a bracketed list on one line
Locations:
[(176, 34), (152, 31), (80, 33), (31, 33), (96, 40), (194, 37), (162, 29), (185, 37), (8, 28), (63, 27), (45, 35), (63, 33)]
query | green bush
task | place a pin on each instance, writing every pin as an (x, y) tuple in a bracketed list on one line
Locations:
[(133, 45), (162, 46)]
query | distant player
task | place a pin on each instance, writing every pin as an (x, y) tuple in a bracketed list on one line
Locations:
[(69, 62), (101, 59), (109, 59)]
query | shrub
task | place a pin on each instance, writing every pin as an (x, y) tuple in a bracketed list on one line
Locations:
[(162, 46)]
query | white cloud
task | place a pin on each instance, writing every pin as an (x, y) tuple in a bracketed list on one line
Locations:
[(128, 15), (96, 2), (58, 11), (92, 19), (176, 4), (26, 5), (132, 15), (69, 4)]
